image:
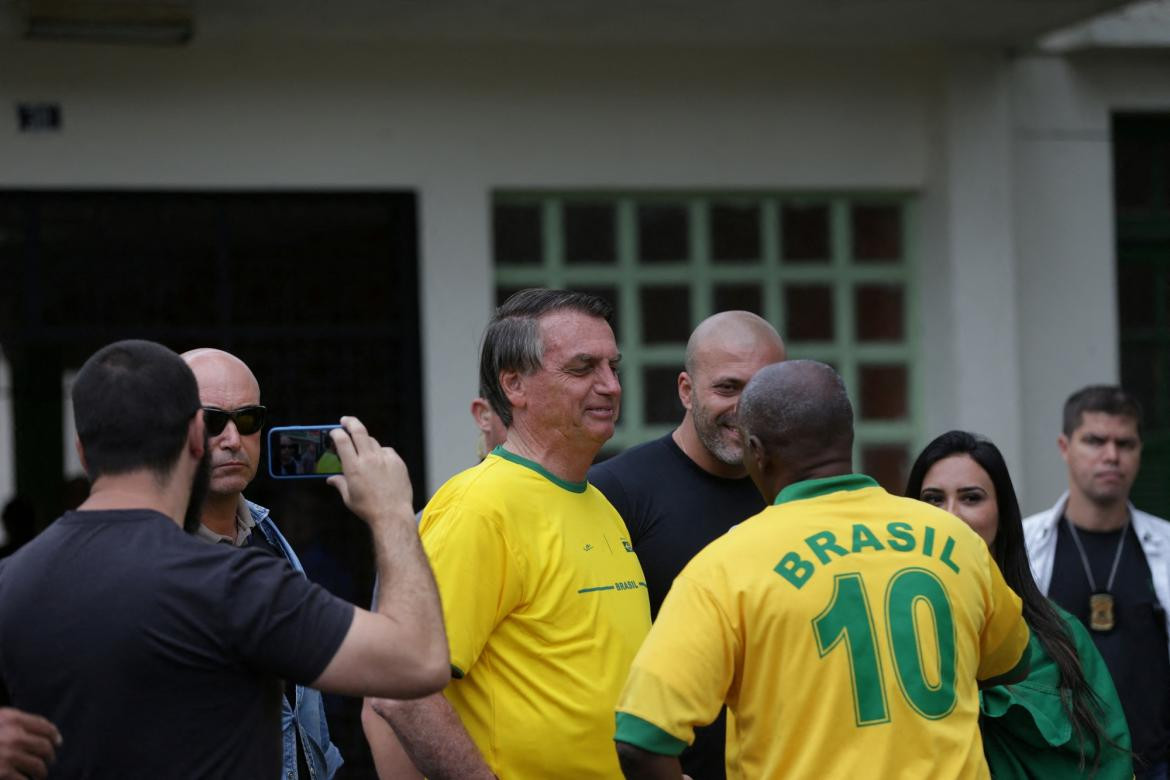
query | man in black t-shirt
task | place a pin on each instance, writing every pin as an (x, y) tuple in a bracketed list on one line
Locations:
[(157, 655), (1108, 563), (678, 493)]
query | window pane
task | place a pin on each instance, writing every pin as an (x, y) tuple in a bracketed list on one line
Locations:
[(806, 234), (735, 233), (589, 233), (1143, 373), (877, 233), (748, 297), (808, 312), (879, 312), (666, 314), (660, 395), (883, 392), (888, 464), (516, 234), (610, 295), (663, 234), (1133, 174), (1137, 295)]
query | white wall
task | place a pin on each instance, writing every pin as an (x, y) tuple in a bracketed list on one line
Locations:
[(455, 123), (1066, 271)]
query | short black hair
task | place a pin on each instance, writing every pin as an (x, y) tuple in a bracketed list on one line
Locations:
[(132, 403), (1109, 399), (512, 342)]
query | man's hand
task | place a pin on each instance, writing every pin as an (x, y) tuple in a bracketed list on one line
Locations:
[(28, 745), (374, 482)]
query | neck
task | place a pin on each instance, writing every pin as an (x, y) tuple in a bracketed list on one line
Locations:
[(837, 467), (1091, 516), (569, 464), (219, 513), (138, 490), (687, 439)]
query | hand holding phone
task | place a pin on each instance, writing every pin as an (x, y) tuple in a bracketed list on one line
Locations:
[(375, 484)]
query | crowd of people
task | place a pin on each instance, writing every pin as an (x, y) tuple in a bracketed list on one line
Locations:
[(730, 600)]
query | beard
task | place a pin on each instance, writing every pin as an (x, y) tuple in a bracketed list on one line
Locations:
[(199, 486), (713, 435)]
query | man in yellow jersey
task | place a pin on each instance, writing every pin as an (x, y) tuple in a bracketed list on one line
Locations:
[(543, 597), (847, 630)]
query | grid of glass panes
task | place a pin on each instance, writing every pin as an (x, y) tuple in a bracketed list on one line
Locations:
[(833, 273)]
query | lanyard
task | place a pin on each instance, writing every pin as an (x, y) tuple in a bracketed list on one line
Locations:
[(1085, 559)]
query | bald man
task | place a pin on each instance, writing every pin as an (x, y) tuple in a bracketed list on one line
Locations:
[(678, 493), (230, 396), (847, 630)]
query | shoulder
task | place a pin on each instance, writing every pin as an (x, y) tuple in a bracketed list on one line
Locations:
[(641, 456), (1144, 522)]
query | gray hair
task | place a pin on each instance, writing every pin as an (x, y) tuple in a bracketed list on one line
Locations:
[(512, 340)]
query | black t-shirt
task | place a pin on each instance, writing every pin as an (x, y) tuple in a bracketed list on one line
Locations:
[(1135, 651), (673, 509), (155, 653)]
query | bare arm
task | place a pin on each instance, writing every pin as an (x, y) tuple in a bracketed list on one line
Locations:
[(27, 745), (432, 735), (390, 759), (400, 650), (639, 764)]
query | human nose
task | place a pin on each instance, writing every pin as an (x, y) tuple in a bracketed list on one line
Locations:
[(229, 439), (608, 383), (1111, 452)]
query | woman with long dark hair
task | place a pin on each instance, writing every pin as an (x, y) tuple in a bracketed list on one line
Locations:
[(1065, 719)]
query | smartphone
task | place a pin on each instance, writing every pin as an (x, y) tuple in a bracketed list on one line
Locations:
[(302, 452)]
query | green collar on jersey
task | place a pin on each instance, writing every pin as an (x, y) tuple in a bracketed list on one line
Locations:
[(811, 488), (573, 487)]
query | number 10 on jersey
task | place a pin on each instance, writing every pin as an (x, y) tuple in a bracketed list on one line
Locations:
[(848, 620)]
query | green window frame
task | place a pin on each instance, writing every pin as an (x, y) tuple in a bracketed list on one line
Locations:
[(877, 355)]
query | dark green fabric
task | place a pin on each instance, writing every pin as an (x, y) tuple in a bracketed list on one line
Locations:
[(1026, 732)]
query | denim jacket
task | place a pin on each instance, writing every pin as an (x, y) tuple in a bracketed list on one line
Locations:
[(322, 756)]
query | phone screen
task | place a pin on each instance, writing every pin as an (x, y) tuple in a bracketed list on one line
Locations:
[(302, 452)]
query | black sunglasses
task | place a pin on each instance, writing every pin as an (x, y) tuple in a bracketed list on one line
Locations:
[(248, 419)]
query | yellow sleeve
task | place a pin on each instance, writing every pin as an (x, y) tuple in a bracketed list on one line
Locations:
[(682, 673), (478, 577), (1003, 642)]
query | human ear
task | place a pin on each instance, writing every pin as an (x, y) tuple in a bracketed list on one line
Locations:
[(482, 413), (685, 388), (80, 453), (196, 436), (1062, 444), (512, 383)]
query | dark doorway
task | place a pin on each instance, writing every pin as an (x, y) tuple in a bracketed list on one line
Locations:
[(317, 292), (1141, 194)]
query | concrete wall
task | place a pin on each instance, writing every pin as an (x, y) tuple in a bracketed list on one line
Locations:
[(1010, 157), (1066, 257), (457, 123)]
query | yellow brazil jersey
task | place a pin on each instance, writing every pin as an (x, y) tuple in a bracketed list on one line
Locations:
[(545, 605), (844, 627)]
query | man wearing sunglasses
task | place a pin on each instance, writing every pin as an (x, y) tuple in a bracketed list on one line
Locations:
[(160, 655), (230, 396)]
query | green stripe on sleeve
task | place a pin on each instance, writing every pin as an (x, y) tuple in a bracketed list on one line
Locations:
[(640, 733)]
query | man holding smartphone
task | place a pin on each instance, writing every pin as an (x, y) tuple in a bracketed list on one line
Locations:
[(230, 396), (158, 655)]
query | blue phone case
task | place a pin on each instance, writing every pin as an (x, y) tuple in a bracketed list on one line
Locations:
[(274, 450)]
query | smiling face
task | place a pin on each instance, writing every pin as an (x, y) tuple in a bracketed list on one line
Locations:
[(960, 486), (1103, 456), (721, 368), (226, 383), (574, 398)]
